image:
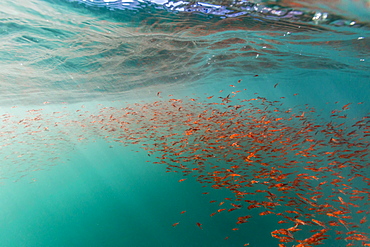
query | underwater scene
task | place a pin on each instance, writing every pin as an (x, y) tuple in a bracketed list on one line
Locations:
[(161, 123)]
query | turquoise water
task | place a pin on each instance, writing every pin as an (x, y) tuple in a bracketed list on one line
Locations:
[(116, 118)]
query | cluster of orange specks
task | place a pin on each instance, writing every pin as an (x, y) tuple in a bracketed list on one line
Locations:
[(312, 174), (313, 177)]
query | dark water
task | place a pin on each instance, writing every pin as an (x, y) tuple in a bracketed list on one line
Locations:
[(262, 107)]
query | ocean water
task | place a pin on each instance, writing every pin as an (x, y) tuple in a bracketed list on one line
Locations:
[(154, 123)]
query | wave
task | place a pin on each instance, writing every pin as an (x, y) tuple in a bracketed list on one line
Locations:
[(86, 51), (316, 12)]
